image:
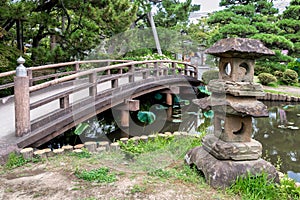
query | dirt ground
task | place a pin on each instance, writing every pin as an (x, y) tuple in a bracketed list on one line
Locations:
[(54, 179)]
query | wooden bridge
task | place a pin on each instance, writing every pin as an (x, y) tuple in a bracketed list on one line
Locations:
[(45, 106)]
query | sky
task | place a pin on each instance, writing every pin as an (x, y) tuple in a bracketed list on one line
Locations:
[(213, 5), (207, 5)]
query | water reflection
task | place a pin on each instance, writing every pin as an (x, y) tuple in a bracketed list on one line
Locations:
[(279, 135)]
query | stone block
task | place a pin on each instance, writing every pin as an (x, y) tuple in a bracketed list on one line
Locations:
[(232, 150)]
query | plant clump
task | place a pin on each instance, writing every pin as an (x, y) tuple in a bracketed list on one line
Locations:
[(100, 175), (266, 78), (260, 187), (290, 77)]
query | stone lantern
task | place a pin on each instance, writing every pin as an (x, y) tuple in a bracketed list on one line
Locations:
[(230, 151)]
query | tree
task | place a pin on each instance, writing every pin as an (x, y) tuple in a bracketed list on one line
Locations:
[(253, 19), (169, 13), (290, 24), (64, 30)]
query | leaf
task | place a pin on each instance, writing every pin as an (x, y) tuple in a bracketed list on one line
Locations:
[(158, 96), (203, 89), (161, 107), (176, 120), (288, 106), (146, 117), (209, 114), (185, 102), (192, 113), (81, 128), (177, 116), (177, 99)]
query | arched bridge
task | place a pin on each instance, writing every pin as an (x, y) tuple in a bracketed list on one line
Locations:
[(46, 107)]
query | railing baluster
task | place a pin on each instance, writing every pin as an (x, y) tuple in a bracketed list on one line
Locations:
[(114, 83), (174, 66), (186, 70), (131, 73), (29, 74), (156, 70), (64, 102), (93, 88), (145, 74), (76, 68)]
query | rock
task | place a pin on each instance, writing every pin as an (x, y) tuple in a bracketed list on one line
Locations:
[(78, 146), (91, 146), (67, 148), (104, 144), (115, 146), (27, 153), (124, 140), (58, 151), (223, 173), (232, 150)]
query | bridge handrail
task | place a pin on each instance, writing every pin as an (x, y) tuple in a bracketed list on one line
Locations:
[(53, 66), (96, 70)]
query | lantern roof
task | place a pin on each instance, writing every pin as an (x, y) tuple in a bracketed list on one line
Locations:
[(239, 47)]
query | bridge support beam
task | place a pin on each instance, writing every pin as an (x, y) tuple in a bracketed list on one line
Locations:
[(128, 105), (169, 99)]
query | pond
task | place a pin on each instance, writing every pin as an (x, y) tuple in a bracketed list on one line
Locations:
[(278, 133), (280, 142)]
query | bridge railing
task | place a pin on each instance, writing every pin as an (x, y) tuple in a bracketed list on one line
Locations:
[(92, 80), (43, 73)]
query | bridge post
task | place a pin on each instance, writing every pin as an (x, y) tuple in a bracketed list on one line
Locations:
[(128, 105), (22, 100), (30, 76), (93, 88), (174, 66), (156, 70), (131, 73), (77, 67), (186, 71)]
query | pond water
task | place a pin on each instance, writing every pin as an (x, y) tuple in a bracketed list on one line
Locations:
[(279, 141)]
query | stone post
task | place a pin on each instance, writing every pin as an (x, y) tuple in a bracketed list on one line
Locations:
[(22, 100)]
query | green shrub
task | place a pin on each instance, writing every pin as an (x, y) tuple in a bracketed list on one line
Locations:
[(278, 74), (210, 75), (290, 77), (266, 78), (295, 65)]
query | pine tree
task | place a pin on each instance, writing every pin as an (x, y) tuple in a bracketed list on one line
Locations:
[(63, 30), (253, 19), (290, 24)]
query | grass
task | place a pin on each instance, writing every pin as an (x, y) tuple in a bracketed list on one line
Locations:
[(256, 187), (182, 173), (157, 162), (137, 189), (100, 175), (170, 144), (15, 160)]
